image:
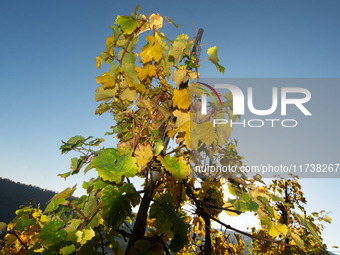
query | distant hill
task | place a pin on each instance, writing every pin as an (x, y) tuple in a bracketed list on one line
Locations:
[(14, 194)]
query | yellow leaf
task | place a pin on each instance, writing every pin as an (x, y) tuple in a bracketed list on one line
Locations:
[(231, 207), (129, 94), (223, 131), (183, 132), (203, 132), (328, 219), (182, 117), (143, 154), (140, 87), (297, 240), (176, 50), (212, 52), (181, 98), (152, 51), (107, 80), (275, 230), (180, 75), (177, 167), (156, 21), (147, 70), (105, 94), (99, 62), (109, 44)]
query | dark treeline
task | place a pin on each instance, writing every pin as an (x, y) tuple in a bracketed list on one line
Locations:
[(14, 194)]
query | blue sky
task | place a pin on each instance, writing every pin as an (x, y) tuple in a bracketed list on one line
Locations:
[(47, 74)]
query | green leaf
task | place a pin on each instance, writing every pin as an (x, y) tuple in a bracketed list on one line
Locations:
[(276, 198), (263, 200), (52, 233), (72, 143), (87, 234), (99, 184), (71, 229), (117, 203), (111, 166), (231, 190), (105, 94), (252, 206), (2, 225), (274, 230), (54, 204), (177, 167), (88, 167), (170, 21), (239, 205), (24, 211), (127, 23), (89, 207), (158, 146), (297, 240), (76, 164), (305, 222), (68, 249), (102, 108), (119, 116), (141, 247), (212, 52), (130, 70), (270, 211), (24, 223), (64, 175), (245, 197), (163, 210)]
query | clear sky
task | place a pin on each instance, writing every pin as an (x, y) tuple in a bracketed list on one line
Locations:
[(47, 76)]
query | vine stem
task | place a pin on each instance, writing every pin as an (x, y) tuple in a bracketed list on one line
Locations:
[(18, 237)]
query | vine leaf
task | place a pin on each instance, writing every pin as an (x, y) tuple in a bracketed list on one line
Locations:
[(52, 233), (105, 94), (297, 240), (143, 154), (129, 94), (107, 79), (180, 76), (306, 223), (176, 50), (68, 249), (163, 210), (127, 23), (212, 52), (181, 98), (117, 203), (203, 132), (141, 247), (111, 166), (274, 230), (85, 235), (177, 167), (156, 21), (171, 22), (151, 51), (146, 71)]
